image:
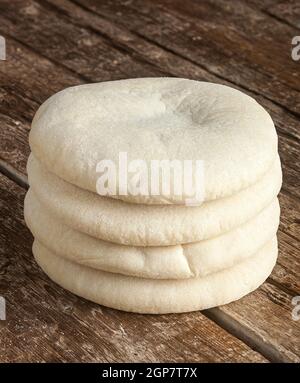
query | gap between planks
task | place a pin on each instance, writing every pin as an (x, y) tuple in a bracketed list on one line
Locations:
[(14, 175), (277, 18), (249, 337), (268, 8), (223, 320)]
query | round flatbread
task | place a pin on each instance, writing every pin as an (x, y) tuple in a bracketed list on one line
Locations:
[(148, 225), (156, 119), (159, 296), (163, 262)]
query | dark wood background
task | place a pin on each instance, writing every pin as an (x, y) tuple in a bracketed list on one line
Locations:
[(53, 44)]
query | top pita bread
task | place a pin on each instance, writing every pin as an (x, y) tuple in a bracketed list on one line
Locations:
[(155, 119)]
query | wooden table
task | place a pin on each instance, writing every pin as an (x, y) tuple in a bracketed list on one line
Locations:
[(57, 43)]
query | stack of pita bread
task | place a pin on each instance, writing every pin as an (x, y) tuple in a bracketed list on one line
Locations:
[(154, 253)]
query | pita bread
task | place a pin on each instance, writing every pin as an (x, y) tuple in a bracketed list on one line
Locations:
[(159, 296), (163, 262), (156, 119), (148, 225)]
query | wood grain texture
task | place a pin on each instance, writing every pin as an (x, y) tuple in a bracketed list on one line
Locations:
[(80, 50), (46, 323), (260, 4), (197, 32), (53, 44), (287, 12)]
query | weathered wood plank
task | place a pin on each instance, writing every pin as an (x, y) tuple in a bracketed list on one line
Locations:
[(289, 154), (261, 4), (46, 323), (264, 318), (26, 80), (264, 40), (288, 11), (81, 50), (31, 76), (290, 211), (287, 270), (14, 148), (223, 49)]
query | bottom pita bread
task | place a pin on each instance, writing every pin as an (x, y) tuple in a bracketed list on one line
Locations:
[(159, 296)]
